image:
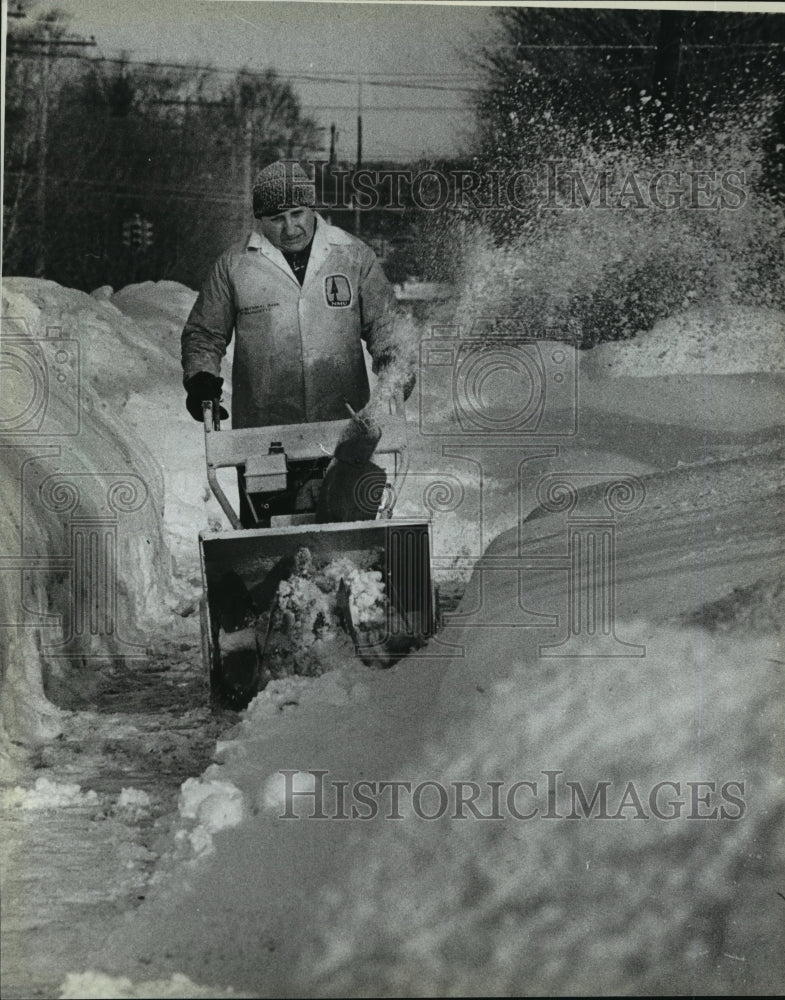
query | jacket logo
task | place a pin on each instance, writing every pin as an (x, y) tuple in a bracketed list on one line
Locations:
[(337, 291)]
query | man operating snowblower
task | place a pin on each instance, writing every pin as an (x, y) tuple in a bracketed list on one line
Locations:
[(300, 296)]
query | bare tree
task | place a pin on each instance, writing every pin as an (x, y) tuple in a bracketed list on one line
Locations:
[(113, 141)]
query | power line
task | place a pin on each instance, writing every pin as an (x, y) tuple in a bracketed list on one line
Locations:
[(413, 82), (384, 107), (173, 102), (424, 86), (144, 191), (684, 45), (307, 77), (310, 71), (369, 74)]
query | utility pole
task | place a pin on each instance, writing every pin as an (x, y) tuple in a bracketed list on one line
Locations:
[(39, 266), (247, 166), (330, 187), (357, 225)]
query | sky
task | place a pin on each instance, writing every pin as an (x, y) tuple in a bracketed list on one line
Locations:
[(410, 45)]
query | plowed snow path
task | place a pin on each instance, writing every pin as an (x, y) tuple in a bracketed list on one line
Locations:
[(71, 870)]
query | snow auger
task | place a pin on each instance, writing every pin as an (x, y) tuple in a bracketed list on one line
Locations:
[(292, 596)]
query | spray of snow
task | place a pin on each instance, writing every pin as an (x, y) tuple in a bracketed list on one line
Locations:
[(605, 268)]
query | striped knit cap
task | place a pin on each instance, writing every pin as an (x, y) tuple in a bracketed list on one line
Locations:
[(280, 186)]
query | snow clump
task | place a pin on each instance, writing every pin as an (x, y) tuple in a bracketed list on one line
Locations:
[(99, 986), (317, 613), (215, 805), (132, 805), (46, 794), (366, 590)]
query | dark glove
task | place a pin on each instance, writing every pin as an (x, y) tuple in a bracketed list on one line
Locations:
[(358, 441), (203, 386)]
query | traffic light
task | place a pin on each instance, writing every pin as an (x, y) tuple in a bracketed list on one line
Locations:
[(132, 231), (138, 233)]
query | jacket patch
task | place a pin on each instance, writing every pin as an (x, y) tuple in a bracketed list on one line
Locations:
[(337, 291)]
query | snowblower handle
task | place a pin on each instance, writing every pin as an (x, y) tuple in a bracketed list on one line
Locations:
[(298, 442), (211, 413)]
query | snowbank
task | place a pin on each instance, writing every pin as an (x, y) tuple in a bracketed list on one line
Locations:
[(676, 890), (154, 302), (104, 464), (665, 884), (86, 572), (116, 358), (156, 410), (723, 340)]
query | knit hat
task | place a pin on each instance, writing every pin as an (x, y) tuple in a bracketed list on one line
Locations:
[(280, 186)]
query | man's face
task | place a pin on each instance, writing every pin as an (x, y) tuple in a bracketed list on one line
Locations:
[(289, 230)]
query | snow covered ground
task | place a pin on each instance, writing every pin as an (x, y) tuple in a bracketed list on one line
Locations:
[(620, 634)]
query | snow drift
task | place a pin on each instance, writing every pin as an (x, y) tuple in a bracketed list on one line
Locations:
[(630, 901), (708, 341), (87, 569)]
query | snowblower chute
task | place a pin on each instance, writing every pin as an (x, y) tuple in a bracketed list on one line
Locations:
[(297, 597)]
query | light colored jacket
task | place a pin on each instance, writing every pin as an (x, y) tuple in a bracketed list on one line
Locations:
[(298, 355)]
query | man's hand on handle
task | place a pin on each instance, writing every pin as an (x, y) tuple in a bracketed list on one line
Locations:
[(203, 386), (353, 485), (360, 438)]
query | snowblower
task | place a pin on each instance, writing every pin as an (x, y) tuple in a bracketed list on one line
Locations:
[(295, 596)]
